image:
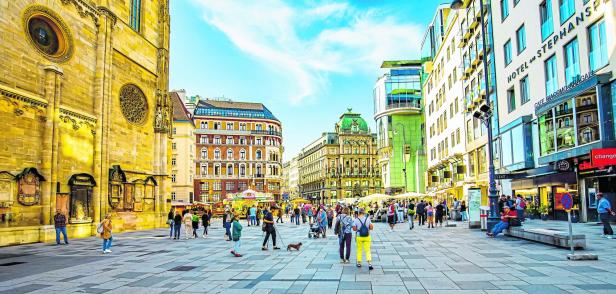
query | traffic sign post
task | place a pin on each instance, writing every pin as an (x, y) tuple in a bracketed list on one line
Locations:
[(567, 202)]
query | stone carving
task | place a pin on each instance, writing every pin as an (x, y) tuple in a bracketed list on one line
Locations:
[(29, 183), (77, 120), (133, 104), (84, 9)]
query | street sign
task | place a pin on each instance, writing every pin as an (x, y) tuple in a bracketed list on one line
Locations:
[(567, 201)]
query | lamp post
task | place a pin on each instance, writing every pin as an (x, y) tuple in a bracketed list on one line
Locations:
[(402, 153), (485, 114)]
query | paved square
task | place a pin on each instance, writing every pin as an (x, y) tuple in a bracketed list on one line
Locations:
[(442, 260)]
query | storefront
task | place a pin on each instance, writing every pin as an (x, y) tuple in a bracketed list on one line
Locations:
[(571, 123), (598, 175)]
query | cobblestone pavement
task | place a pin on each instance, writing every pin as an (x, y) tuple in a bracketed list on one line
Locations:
[(442, 260)]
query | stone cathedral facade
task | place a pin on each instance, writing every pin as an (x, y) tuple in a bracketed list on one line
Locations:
[(85, 116)]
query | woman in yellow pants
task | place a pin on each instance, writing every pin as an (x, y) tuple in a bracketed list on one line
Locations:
[(362, 227)]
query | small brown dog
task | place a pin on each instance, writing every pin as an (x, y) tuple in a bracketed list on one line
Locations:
[(295, 246)]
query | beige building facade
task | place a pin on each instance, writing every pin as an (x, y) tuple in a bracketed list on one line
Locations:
[(182, 152), (85, 116)]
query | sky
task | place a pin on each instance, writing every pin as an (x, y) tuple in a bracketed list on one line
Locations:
[(306, 61)]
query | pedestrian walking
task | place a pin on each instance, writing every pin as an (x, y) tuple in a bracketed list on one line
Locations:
[(297, 211), (344, 230), (440, 211), (177, 225), (188, 231), (322, 220), (310, 214), (411, 214), (463, 213), (195, 224), (205, 221), (391, 216), (421, 213), (430, 213), (259, 216), (362, 226), (226, 222), (279, 212), (268, 228), (60, 224), (504, 222), (105, 231), (604, 208), (170, 222), (330, 217), (236, 234), (400, 212), (304, 212)]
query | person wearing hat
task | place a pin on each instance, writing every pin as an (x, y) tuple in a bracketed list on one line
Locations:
[(604, 209), (504, 222)]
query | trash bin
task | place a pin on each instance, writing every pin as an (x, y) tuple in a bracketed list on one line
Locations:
[(483, 217)]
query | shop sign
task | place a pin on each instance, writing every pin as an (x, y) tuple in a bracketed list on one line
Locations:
[(572, 85), (562, 165), (603, 157)]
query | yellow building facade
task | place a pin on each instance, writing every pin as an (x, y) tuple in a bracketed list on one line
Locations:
[(182, 152), (85, 116)]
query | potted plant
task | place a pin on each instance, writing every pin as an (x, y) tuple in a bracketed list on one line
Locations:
[(533, 211), (543, 210)]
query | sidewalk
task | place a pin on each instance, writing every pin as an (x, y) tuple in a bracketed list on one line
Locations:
[(441, 260)]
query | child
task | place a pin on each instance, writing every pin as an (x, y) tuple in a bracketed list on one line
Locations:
[(236, 233)]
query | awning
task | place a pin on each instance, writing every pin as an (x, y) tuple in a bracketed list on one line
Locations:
[(583, 84)]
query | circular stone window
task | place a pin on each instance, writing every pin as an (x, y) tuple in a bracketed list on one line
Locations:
[(133, 104), (47, 33)]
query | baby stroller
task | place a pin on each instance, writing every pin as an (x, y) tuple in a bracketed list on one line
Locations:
[(314, 231)]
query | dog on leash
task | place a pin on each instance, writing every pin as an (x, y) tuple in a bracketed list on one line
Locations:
[(295, 246)]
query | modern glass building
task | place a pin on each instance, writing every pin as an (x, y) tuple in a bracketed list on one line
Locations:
[(400, 128)]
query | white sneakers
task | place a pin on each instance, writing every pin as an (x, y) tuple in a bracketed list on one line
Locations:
[(204, 236), (106, 251)]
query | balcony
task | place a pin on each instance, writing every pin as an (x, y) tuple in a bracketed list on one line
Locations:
[(474, 57), (221, 132), (266, 132)]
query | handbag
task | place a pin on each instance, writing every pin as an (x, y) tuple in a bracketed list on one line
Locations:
[(169, 221)]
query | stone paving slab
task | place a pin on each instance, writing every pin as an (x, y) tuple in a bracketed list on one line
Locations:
[(442, 260)]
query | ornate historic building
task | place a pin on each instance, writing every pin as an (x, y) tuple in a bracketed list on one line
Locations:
[(85, 116), (182, 151), (342, 164), (239, 146)]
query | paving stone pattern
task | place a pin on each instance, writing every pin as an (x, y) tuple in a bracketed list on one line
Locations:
[(442, 260)]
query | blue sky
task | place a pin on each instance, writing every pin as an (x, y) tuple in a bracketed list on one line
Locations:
[(307, 61)]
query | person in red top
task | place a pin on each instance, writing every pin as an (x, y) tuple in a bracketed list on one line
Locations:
[(391, 216), (504, 222)]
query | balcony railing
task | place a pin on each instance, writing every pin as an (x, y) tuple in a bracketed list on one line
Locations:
[(266, 132), (407, 104)]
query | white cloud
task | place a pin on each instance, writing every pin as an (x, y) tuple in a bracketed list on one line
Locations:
[(304, 44)]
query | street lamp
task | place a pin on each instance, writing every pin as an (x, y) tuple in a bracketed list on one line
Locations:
[(485, 115), (402, 152)]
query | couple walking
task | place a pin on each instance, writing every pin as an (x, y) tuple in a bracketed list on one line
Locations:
[(362, 225)]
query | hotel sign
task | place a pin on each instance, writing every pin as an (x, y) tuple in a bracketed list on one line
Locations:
[(551, 42), (558, 93)]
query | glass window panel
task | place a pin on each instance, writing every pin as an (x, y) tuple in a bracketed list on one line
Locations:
[(565, 133), (517, 135), (572, 62), (551, 76), (507, 158), (587, 119), (566, 9), (598, 45), (547, 25), (546, 133), (521, 38)]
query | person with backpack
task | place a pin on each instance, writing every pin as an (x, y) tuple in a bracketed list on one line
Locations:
[(344, 230), (463, 213), (236, 234), (195, 224), (520, 205), (391, 216), (411, 214), (362, 226), (104, 229), (177, 225)]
